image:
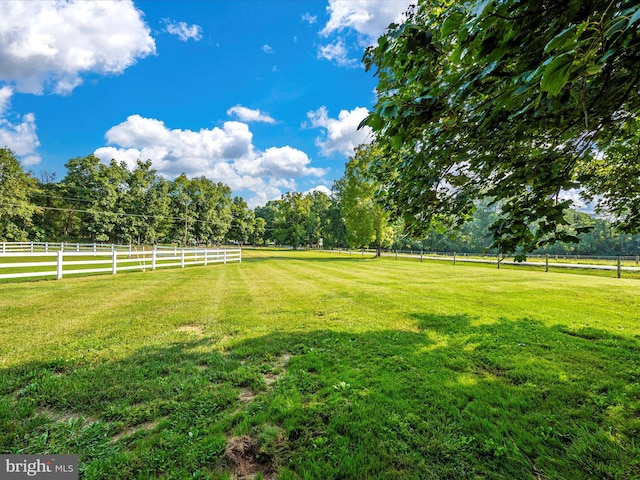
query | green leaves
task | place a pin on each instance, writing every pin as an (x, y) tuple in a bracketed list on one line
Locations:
[(16, 207), (556, 74), (452, 22), (506, 99)]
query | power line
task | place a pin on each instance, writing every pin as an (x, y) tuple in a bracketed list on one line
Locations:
[(117, 214)]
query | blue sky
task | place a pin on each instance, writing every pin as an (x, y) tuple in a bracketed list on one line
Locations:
[(263, 95)]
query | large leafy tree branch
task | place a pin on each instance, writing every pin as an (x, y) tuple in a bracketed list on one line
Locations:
[(515, 100)]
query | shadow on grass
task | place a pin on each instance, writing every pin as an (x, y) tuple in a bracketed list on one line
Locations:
[(511, 399)]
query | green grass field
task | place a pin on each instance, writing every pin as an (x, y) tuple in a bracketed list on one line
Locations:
[(300, 365)]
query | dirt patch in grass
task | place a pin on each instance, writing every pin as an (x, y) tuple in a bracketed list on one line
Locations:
[(247, 395), (64, 417), (136, 428), (279, 369), (191, 329), (243, 455)]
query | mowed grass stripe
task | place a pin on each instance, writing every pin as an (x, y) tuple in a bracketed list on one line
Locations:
[(485, 295), (78, 317)]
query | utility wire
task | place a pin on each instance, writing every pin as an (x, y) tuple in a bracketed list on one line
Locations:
[(121, 214)]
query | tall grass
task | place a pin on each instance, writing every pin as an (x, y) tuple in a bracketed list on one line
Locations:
[(304, 365)]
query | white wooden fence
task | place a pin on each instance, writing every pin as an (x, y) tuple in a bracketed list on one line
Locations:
[(44, 261), (8, 247), (545, 261)]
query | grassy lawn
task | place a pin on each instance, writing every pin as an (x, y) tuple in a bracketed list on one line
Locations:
[(298, 365)]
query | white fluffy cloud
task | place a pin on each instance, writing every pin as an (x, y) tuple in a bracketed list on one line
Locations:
[(47, 46), (18, 134), (367, 17), (224, 154), (337, 53), (279, 162), (365, 20), (5, 96), (248, 115), (341, 135), (310, 19), (183, 31), (320, 188)]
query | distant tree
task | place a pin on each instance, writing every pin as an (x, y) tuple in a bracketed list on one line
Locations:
[(182, 227), (291, 219), (211, 206), (257, 236), (268, 214), (146, 205), (242, 221), (93, 191), (201, 209), (17, 207), (334, 232), (365, 218)]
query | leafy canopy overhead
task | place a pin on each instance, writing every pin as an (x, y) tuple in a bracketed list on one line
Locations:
[(514, 100)]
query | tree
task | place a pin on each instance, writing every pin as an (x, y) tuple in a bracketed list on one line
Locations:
[(333, 230), (257, 236), (202, 209), (512, 100), (242, 221), (146, 205), (291, 219), (94, 191), (268, 214), (211, 208), (16, 205), (365, 218)]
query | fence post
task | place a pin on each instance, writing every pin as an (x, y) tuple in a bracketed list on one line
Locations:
[(205, 257), (114, 263), (153, 258), (224, 256), (31, 247), (420, 256), (637, 260), (4, 247), (182, 258), (59, 266), (77, 247), (46, 247), (454, 258), (619, 267), (546, 262), (94, 248)]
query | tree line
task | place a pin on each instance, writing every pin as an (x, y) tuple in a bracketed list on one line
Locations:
[(98, 202)]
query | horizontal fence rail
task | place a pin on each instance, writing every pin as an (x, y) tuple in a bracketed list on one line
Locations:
[(61, 262), (618, 264), (8, 247)]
